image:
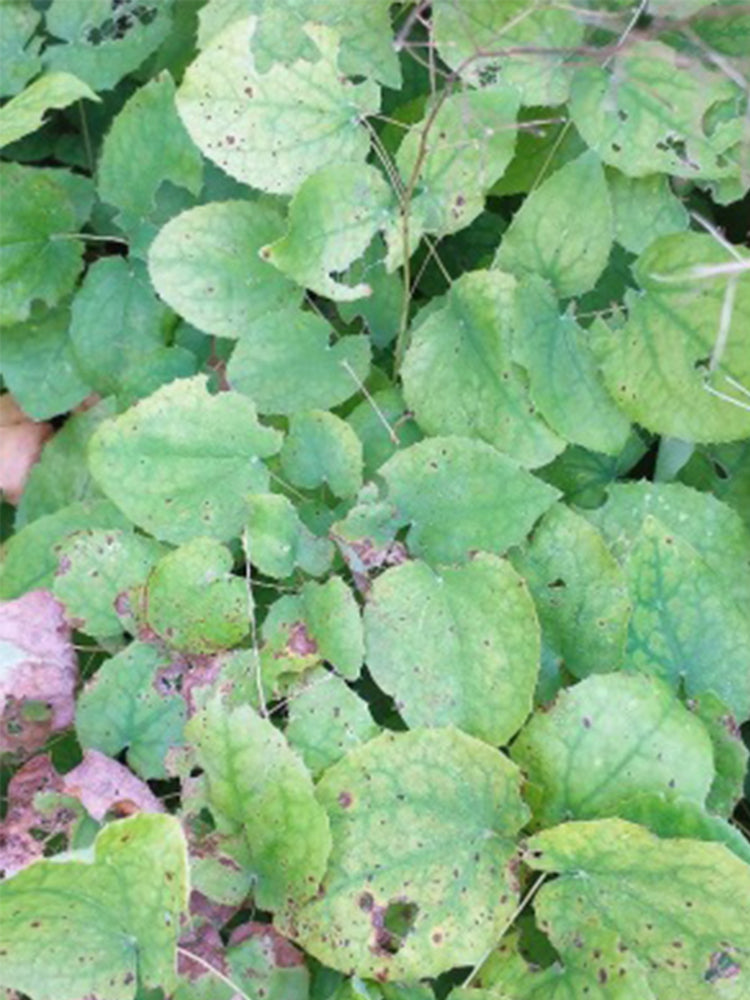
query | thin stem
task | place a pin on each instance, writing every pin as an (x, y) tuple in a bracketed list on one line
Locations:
[(90, 238), (508, 924), (214, 971)]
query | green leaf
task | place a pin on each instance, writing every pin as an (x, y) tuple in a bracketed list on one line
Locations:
[(19, 59), (39, 259), (61, 476), (25, 112), (650, 113), (451, 159), (584, 476), (102, 927), (193, 602), (259, 789), (326, 720), (723, 470), (659, 368), (670, 817), (730, 753), (563, 231), (205, 264), (39, 365), (180, 463), (459, 376), (608, 739), (115, 322), (686, 627), (125, 707), (644, 208), (579, 590), (565, 384), (29, 557), (677, 906), (459, 482), (333, 619), (455, 645), (332, 219), (319, 449), (414, 853), (101, 47), (273, 129), (278, 540), (286, 364), (533, 43), (95, 567), (146, 146)]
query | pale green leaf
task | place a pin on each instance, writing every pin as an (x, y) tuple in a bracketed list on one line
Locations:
[(459, 376), (326, 720), (319, 449), (451, 159), (649, 113), (101, 45), (278, 541), (29, 558), (677, 907), (115, 322), (146, 145), (272, 130), (713, 529), (101, 927), (686, 627), (205, 263), (287, 648), (424, 826), (25, 112), (19, 59), (286, 364), (39, 365), (381, 309), (39, 259), (194, 603), (484, 41), (564, 382), (608, 739), (644, 208), (658, 368), (579, 590), (459, 495), (455, 645), (180, 463), (259, 789), (332, 219), (94, 568), (125, 707), (563, 231), (366, 36)]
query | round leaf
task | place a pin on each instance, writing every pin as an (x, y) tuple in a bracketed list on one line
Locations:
[(419, 879), (180, 463), (455, 646)]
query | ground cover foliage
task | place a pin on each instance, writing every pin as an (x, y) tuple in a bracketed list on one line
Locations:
[(374, 616)]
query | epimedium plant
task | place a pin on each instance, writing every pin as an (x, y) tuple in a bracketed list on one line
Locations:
[(374, 621)]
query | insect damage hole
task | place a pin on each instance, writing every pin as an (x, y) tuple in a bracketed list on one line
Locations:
[(392, 924)]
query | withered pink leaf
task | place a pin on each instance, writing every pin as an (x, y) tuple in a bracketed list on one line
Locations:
[(103, 784), (18, 846), (38, 680)]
